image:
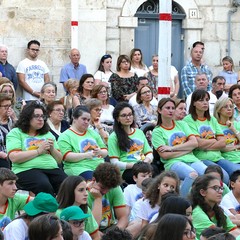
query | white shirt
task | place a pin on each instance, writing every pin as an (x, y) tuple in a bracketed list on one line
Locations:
[(133, 101)]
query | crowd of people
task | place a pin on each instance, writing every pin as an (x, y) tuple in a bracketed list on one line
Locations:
[(88, 170)]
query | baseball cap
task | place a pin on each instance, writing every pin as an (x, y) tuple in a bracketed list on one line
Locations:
[(73, 213), (43, 202)]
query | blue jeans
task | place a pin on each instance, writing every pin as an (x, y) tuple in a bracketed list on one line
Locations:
[(184, 170), (228, 166), (219, 163)]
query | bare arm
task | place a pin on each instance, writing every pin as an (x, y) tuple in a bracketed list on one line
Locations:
[(177, 85), (25, 86), (121, 215), (46, 78), (76, 101)]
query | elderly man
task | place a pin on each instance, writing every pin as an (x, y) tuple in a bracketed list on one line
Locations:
[(73, 69), (32, 72), (189, 71), (8, 69)]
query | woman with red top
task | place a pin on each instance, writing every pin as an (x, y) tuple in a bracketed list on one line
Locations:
[(174, 142)]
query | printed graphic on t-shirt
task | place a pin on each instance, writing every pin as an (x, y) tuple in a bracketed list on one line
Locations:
[(230, 137), (106, 214), (139, 196), (33, 143), (135, 151), (206, 132), (35, 73), (177, 139), (88, 145)]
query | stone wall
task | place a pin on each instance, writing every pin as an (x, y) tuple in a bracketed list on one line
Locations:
[(108, 26)]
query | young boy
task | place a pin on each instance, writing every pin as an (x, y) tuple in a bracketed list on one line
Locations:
[(133, 192), (231, 201), (10, 201)]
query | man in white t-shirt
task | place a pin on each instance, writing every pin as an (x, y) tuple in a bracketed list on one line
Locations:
[(32, 72), (142, 82)]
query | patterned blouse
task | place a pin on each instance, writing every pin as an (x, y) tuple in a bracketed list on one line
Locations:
[(122, 86)]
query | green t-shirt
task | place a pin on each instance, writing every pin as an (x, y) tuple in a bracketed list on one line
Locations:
[(19, 141), (91, 225), (14, 204), (110, 201), (201, 221), (231, 140), (205, 129), (70, 141), (178, 134), (137, 151)]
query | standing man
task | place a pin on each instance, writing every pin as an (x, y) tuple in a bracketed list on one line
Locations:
[(32, 72), (189, 71), (73, 69), (8, 69)]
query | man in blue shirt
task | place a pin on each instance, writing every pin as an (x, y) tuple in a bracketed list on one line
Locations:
[(73, 69), (7, 69), (190, 71)]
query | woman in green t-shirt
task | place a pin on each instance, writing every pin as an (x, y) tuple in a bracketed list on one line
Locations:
[(206, 194)]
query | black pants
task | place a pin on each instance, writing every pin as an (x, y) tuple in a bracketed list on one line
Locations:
[(41, 180)]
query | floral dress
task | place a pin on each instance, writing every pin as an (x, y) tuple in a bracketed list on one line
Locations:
[(122, 86)]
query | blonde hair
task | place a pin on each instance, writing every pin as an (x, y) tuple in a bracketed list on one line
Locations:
[(13, 100), (219, 105)]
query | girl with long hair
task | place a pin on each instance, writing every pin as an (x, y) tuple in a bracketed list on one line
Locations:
[(206, 194), (127, 145)]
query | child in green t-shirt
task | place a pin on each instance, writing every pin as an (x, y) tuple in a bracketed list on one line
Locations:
[(10, 201)]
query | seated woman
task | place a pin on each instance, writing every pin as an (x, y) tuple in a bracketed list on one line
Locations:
[(82, 148), (57, 124), (206, 194), (8, 88), (123, 82), (180, 109), (104, 70), (223, 112), (208, 132), (174, 142), (48, 93), (73, 192), (34, 152), (84, 90), (101, 92), (95, 107), (71, 86), (145, 112), (127, 145), (6, 124)]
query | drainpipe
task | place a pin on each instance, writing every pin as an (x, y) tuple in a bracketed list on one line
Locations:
[(230, 13), (74, 24)]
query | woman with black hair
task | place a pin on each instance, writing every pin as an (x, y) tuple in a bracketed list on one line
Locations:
[(82, 148), (104, 70), (127, 145), (209, 135), (174, 227), (34, 152), (206, 194), (84, 90)]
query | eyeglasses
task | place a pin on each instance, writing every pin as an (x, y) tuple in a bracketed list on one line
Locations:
[(59, 110), (34, 49), (6, 106), (98, 110), (228, 106), (102, 92), (190, 233), (126, 115), (216, 188), (39, 116), (77, 223), (146, 92)]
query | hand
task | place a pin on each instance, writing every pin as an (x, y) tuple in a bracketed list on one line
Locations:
[(89, 154), (3, 155), (51, 143), (165, 148), (147, 160), (44, 147), (230, 125), (97, 152), (95, 191)]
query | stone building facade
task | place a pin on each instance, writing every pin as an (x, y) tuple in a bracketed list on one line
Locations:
[(108, 26)]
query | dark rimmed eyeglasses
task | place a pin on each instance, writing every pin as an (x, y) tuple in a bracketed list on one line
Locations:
[(77, 223)]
